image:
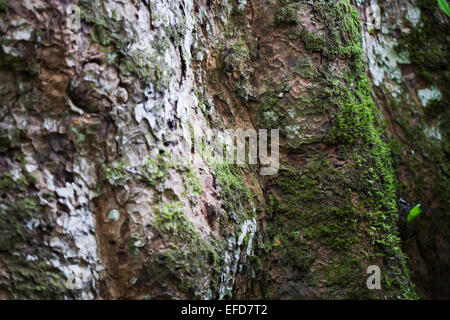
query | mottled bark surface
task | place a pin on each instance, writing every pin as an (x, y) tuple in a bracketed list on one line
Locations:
[(408, 62), (103, 197)]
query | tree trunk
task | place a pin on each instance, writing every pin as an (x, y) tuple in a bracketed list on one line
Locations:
[(108, 187)]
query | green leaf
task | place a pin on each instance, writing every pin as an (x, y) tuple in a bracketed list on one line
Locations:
[(413, 213), (444, 6)]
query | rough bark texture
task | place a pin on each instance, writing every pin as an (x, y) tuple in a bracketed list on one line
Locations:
[(409, 65), (99, 184)]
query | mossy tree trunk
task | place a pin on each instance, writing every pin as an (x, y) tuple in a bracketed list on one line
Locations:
[(103, 198)]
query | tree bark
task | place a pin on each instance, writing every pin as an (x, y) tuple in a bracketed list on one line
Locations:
[(104, 196)]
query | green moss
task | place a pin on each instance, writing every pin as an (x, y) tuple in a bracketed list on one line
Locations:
[(286, 12), (192, 182), (342, 38), (354, 118), (232, 186), (116, 173), (188, 258), (313, 208), (342, 271), (312, 42), (4, 5), (241, 49), (157, 170)]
